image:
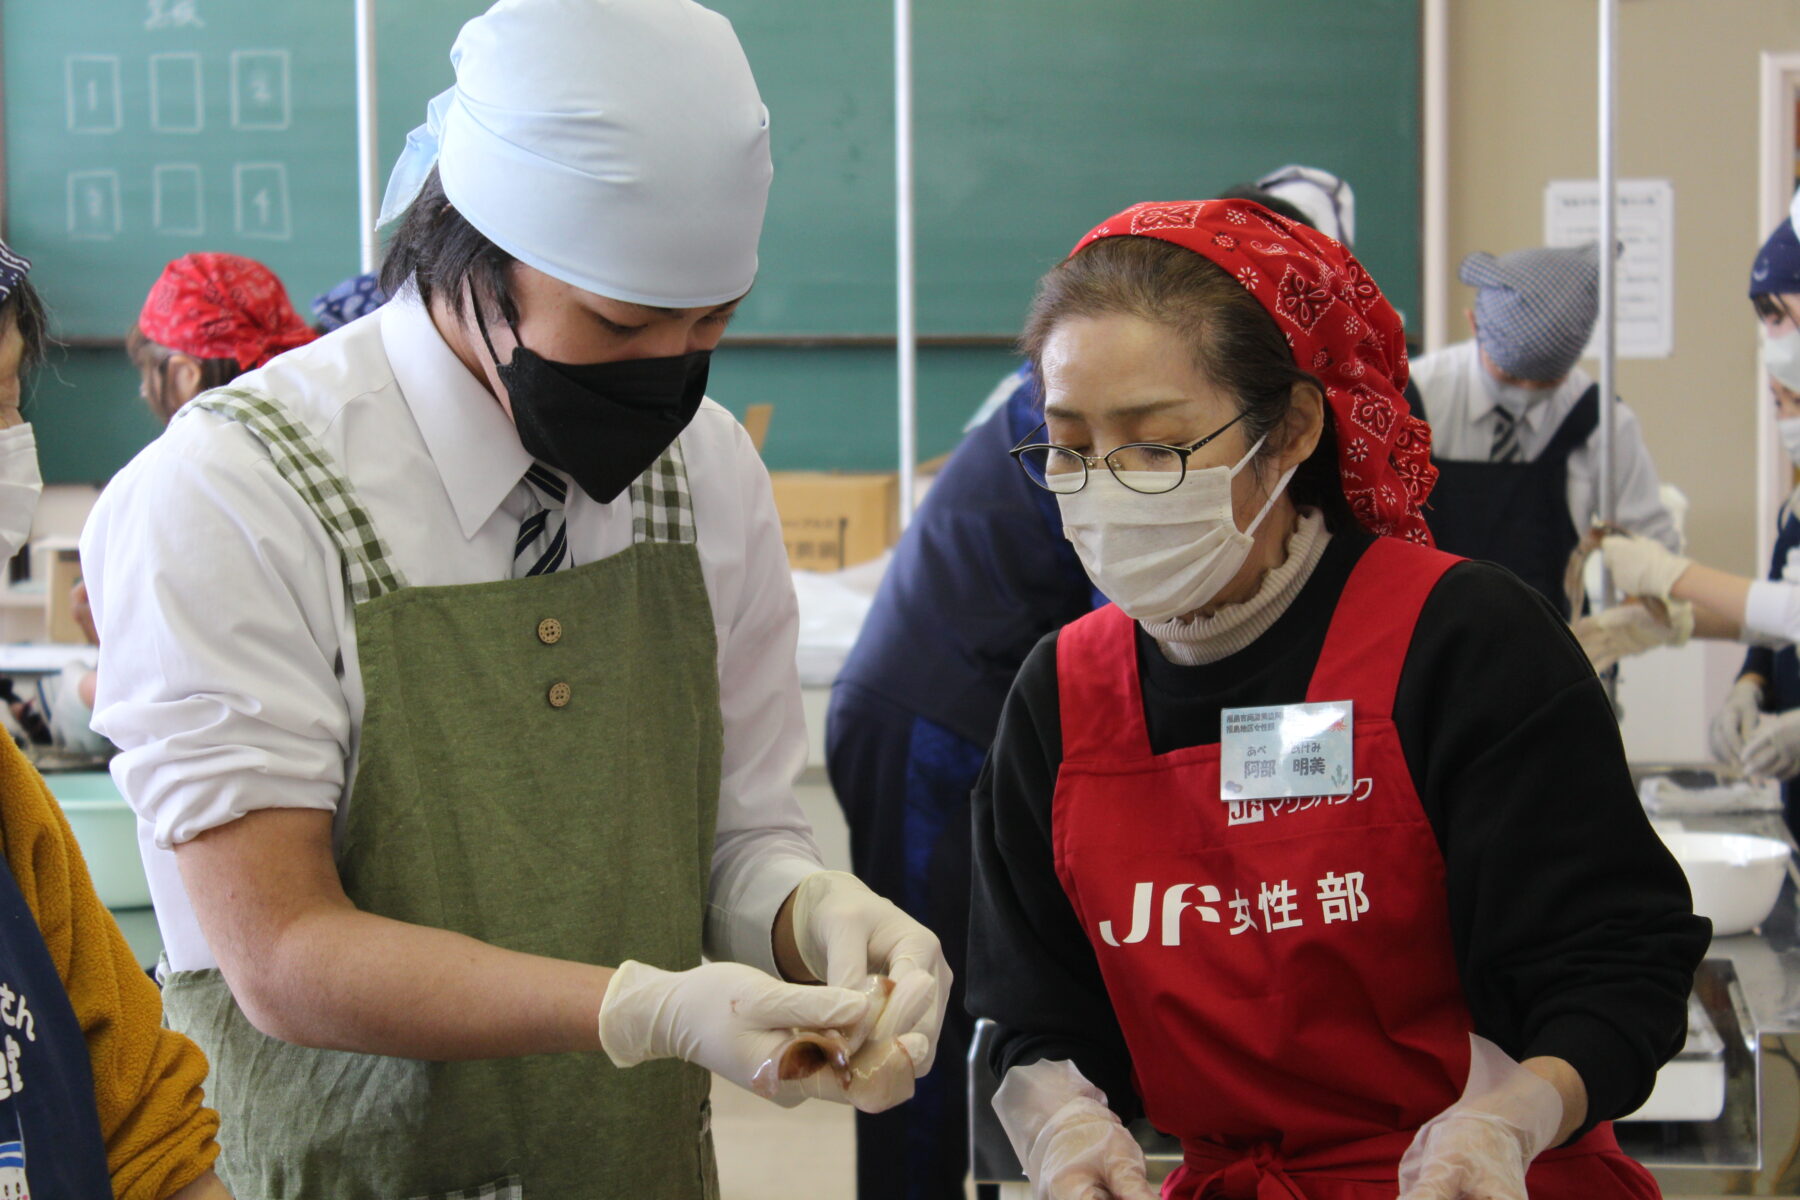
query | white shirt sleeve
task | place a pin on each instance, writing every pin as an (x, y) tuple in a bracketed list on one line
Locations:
[(217, 594), (1772, 614), (20, 486), (1639, 508), (764, 845)]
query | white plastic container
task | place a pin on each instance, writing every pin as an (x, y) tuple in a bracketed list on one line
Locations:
[(1735, 877), (106, 830)]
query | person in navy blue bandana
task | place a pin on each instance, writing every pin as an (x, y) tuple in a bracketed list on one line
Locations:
[(1758, 727), (357, 296), (96, 1099), (23, 336)]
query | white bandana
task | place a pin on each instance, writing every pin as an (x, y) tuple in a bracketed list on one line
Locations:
[(617, 145)]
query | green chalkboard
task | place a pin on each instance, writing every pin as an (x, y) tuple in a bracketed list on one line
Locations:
[(138, 130), (1034, 120)]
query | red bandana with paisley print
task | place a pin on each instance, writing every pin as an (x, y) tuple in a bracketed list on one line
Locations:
[(212, 305), (1341, 329)]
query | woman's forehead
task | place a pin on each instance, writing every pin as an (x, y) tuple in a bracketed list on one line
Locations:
[(1122, 368)]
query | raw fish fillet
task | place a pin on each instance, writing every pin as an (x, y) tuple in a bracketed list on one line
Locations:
[(868, 1061)]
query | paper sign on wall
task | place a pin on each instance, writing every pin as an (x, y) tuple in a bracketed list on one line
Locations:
[(1646, 268)]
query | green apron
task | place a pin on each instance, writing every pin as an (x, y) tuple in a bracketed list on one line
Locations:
[(539, 768)]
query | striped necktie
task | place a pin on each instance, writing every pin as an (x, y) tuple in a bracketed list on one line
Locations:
[(1506, 438), (542, 545)]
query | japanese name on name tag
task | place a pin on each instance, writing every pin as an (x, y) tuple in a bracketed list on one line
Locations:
[(1293, 750)]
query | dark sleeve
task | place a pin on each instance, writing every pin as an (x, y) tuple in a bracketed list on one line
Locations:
[(1573, 925), (1031, 968)]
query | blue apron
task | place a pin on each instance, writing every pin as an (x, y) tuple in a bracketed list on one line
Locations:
[(50, 1143)]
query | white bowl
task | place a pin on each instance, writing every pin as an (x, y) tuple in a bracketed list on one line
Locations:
[(106, 830), (1735, 878)]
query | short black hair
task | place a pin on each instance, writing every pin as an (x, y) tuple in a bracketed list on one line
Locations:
[(1269, 200), (1769, 305), (435, 249), (26, 307)]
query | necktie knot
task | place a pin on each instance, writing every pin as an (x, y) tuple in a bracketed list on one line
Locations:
[(550, 487), (1506, 438), (542, 545)]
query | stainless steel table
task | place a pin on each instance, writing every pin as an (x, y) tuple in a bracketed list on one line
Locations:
[(1750, 987)]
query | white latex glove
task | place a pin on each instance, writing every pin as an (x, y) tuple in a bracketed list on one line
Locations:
[(1641, 566), (726, 1017), (1479, 1147), (1630, 629), (1072, 1146), (846, 932), (1736, 721), (1773, 751)]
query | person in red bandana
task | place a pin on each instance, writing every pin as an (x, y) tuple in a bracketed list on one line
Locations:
[(209, 318), (1317, 846)]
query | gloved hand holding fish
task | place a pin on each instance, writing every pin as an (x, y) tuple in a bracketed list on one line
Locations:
[(870, 1065), (786, 1042)]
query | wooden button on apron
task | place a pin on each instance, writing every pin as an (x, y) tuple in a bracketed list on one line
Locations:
[(549, 631), (559, 695)]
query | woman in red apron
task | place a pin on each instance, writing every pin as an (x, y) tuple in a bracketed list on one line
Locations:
[(1317, 848)]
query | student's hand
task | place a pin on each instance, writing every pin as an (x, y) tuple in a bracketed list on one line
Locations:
[(1736, 721), (1072, 1146), (1641, 566), (83, 613), (1480, 1147), (1630, 629), (1773, 751), (727, 1017), (845, 932)]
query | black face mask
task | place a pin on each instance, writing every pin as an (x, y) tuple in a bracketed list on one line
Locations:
[(601, 424)]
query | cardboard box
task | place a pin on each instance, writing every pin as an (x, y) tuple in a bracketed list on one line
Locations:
[(831, 520), (59, 586)]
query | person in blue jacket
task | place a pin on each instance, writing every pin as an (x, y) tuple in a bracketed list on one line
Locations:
[(981, 574)]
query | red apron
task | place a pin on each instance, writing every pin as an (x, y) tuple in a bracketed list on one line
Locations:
[(1282, 970)]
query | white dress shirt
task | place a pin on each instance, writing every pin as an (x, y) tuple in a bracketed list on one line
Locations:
[(1461, 412), (230, 680)]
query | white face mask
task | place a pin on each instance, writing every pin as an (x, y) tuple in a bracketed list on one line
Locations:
[(1782, 356), (1161, 556), (1789, 429), (1515, 398)]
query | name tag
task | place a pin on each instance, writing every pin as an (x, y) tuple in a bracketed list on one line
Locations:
[(1293, 750)]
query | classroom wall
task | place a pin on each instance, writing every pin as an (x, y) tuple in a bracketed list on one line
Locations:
[(1523, 112)]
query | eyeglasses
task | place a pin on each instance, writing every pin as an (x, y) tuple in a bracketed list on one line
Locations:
[(1148, 467)]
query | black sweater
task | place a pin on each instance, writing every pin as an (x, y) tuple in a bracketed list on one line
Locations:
[(1573, 927)]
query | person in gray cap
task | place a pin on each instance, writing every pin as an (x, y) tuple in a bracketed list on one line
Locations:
[(1514, 422), (451, 662)]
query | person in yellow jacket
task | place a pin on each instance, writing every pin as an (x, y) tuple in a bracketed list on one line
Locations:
[(97, 1099)]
